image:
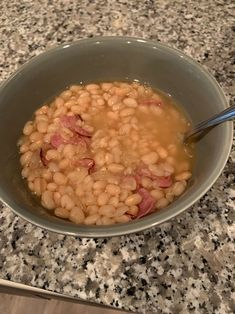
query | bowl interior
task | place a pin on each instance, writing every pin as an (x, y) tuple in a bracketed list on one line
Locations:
[(108, 59)]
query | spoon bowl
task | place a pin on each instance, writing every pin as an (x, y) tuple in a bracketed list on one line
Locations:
[(203, 127)]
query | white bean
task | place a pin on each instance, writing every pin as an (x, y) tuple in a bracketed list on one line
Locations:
[(103, 199), (122, 219), (121, 210), (99, 222), (25, 158), (170, 196), (67, 202), (37, 186), (57, 197), (183, 176), (106, 86), (28, 128), (114, 201), (52, 154), (46, 174), (35, 136), (77, 215), (163, 202), (108, 158), (133, 199), (63, 164), (156, 170), (61, 212), (124, 194), (42, 126), (178, 188), (113, 100), (24, 148), (150, 158), (25, 172), (91, 87), (92, 209), (79, 191), (91, 220), (59, 178), (47, 200), (115, 168), (100, 158), (157, 194), (130, 102), (52, 186), (146, 182), (68, 151), (133, 210), (52, 166), (90, 199), (129, 183), (66, 94), (168, 168), (113, 189), (107, 210), (107, 221), (162, 152), (59, 102)]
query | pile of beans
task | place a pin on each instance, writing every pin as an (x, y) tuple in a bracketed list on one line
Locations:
[(106, 153)]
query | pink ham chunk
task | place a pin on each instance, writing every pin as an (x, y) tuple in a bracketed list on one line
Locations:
[(76, 139), (43, 157), (147, 204), (88, 163), (144, 172), (70, 122), (81, 131), (56, 140), (138, 180), (43, 152), (161, 181)]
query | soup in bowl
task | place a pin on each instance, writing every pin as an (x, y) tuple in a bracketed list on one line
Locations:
[(106, 153), (113, 164)]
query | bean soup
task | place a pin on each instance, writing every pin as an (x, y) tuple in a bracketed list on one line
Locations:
[(106, 153)]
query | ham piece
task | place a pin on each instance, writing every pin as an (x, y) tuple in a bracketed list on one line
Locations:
[(70, 122), (162, 182), (56, 140), (147, 204), (80, 135), (88, 163)]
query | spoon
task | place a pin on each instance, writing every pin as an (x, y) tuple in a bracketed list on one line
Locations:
[(225, 115)]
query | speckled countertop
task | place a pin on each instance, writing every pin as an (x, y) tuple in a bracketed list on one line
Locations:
[(184, 266)]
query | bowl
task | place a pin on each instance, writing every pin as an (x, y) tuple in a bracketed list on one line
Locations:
[(107, 59)]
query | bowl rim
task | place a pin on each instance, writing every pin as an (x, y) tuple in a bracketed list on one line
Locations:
[(147, 222)]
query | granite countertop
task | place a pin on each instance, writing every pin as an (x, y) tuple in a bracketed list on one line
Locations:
[(183, 266)]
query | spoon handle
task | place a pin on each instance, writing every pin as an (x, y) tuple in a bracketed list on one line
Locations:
[(225, 115)]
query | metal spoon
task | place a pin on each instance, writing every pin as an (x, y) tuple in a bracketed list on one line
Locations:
[(225, 115)]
